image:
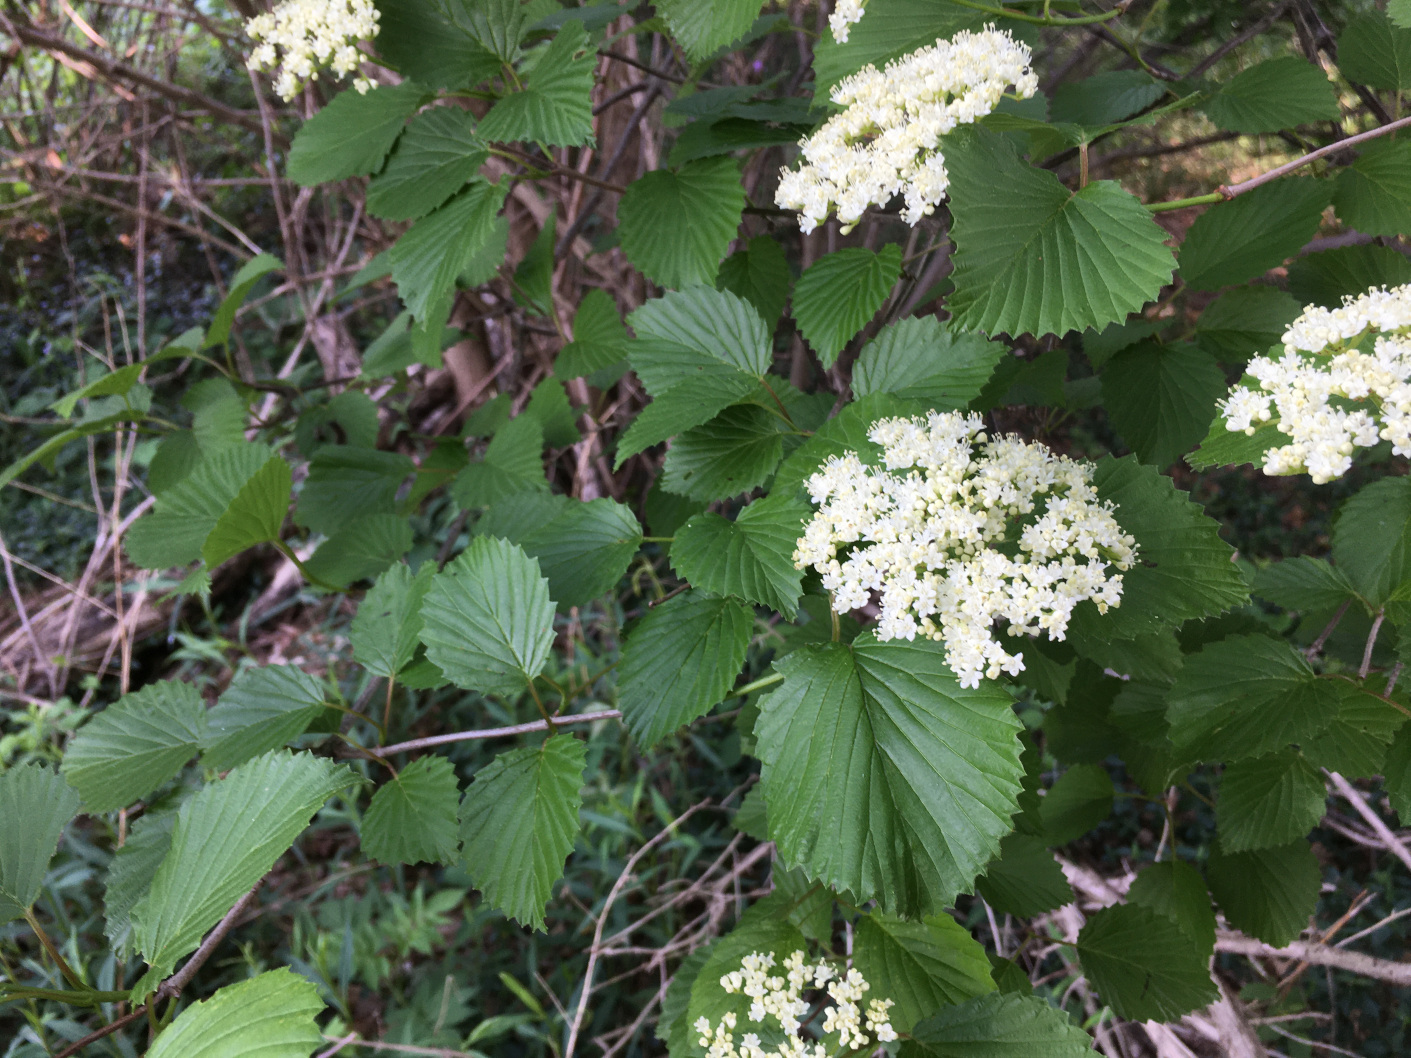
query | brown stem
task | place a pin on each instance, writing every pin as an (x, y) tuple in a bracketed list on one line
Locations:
[(1233, 190), (1371, 643), (495, 732)]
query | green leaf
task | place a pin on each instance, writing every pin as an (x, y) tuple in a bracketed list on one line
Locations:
[(845, 432), (534, 275), (885, 777), (1373, 194), (174, 533), (1143, 965), (1356, 742), (228, 835), (599, 339), (1225, 447), (1247, 696), (135, 745), (1397, 772), (131, 872), (515, 517), (387, 626), (999, 1025), (255, 516), (1177, 890), (1025, 879), (352, 134), (922, 359), (751, 557), (692, 403), (1161, 398), (439, 247), (555, 107), (1032, 257), (488, 619), (671, 1027), (703, 27), (513, 464), (1237, 240), (412, 818), (1268, 801), (585, 550), (1268, 893), (1077, 802), (760, 274), (1183, 571), (1372, 538), (361, 549), (649, 220), (497, 25), (838, 294), (1327, 277), (1246, 321), (1399, 11), (1104, 98), (262, 709), (418, 40), (434, 159), (35, 806), (679, 661), (270, 1015), (518, 823), (548, 403), (733, 453), (1272, 96), (345, 483), (890, 29), (1375, 52), (250, 273), (921, 966), (177, 455)]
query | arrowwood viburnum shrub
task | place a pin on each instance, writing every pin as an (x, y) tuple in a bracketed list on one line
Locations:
[(885, 142), (301, 37), (953, 537), (1328, 392)]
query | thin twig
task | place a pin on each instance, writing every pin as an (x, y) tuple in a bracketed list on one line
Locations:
[(494, 732), (1349, 793)]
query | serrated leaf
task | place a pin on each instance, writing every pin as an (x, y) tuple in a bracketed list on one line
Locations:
[(263, 708), (585, 550), (751, 557), (839, 293), (1034, 258), (1399, 11), (1375, 52), (1372, 538), (697, 333), (1161, 398), (1356, 742), (387, 626), (1246, 321), (922, 359), (515, 517), (412, 818), (1325, 278), (890, 29), (1143, 965), (518, 822), (345, 483), (921, 966), (885, 777), (363, 548), (1177, 890), (1104, 98), (1303, 583), (760, 274), (136, 744), (174, 533), (435, 157), (1397, 773), (1268, 801), (497, 25), (488, 621), (255, 515), (671, 1027), (555, 107), (35, 806), (1373, 194), (1024, 879), (1225, 447), (1272, 96), (670, 253), (430, 255), (733, 453), (1237, 240), (422, 43), (1246, 696), (228, 835), (679, 661), (533, 283), (270, 1015), (599, 338), (513, 464), (130, 874), (691, 403), (999, 1025), (1077, 802), (1268, 893), (548, 403), (352, 134), (703, 27), (845, 432)]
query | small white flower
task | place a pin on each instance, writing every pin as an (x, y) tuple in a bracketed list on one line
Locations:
[(312, 35), (846, 14)]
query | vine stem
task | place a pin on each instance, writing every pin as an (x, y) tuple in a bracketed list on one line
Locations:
[(494, 732)]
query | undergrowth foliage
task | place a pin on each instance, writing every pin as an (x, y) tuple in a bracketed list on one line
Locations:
[(870, 567)]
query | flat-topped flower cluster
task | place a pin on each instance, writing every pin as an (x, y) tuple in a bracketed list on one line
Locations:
[(301, 37), (961, 531), (780, 998), (1343, 382), (885, 142)]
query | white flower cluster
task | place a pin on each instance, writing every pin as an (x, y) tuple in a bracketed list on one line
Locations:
[(885, 142), (960, 531), (780, 998), (312, 35), (846, 13), (1328, 392)]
